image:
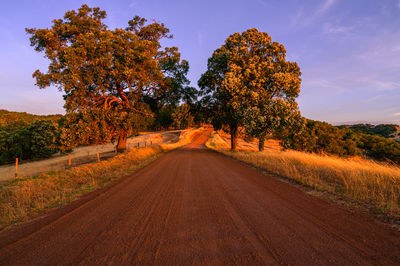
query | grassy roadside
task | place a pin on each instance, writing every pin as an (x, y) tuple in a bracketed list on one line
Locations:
[(25, 198), (361, 181)]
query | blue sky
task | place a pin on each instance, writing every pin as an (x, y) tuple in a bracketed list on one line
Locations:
[(348, 51)]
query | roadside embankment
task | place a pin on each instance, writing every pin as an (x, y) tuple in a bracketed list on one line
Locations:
[(24, 198), (361, 181), (85, 154)]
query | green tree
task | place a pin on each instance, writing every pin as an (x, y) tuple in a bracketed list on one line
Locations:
[(104, 69), (249, 73), (276, 116), (177, 85), (4, 146), (182, 117), (215, 97), (37, 140), (18, 145), (177, 90), (44, 139)]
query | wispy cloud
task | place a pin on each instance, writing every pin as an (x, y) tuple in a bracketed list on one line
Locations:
[(329, 28), (324, 7), (396, 49), (383, 85), (303, 18), (396, 114), (361, 102), (321, 83), (296, 18), (381, 50)]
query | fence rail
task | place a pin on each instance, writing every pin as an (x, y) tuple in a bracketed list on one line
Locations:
[(80, 156)]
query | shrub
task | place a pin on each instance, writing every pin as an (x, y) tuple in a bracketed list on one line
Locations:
[(37, 140)]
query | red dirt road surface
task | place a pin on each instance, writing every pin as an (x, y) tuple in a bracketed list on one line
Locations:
[(194, 206)]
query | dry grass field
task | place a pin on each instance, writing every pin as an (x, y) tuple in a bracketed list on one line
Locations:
[(361, 180), (24, 198)]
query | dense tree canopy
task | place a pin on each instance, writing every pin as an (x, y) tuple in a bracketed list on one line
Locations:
[(182, 117), (250, 73), (39, 139), (102, 124), (177, 90), (103, 69)]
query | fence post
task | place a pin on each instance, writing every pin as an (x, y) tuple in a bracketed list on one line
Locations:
[(69, 159), (16, 167), (98, 157)]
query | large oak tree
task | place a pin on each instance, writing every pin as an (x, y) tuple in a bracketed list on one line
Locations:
[(249, 73), (104, 70)]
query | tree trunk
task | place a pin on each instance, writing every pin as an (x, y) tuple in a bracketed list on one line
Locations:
[(123, 135), (261, 141), (234, 129)]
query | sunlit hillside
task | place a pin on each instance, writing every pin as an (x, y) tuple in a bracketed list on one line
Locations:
[(10, 117)]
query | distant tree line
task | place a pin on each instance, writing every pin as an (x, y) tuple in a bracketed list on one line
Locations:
[(321, 137), (383, 130)]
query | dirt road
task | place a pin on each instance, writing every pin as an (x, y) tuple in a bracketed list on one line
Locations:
[(194, 206)]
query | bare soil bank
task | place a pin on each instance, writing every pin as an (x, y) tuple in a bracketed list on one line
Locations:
[(194, 206)]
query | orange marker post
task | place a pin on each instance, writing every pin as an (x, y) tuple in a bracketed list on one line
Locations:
[(16, 167), (69, 159), (98, 157)]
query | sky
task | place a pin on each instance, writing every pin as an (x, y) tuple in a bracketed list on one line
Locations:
[(348, 50)]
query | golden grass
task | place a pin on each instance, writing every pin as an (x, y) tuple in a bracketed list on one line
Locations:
[(23, 198), (364, 181)]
